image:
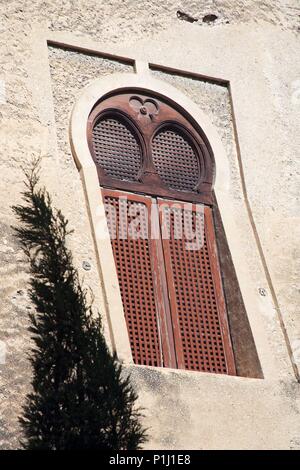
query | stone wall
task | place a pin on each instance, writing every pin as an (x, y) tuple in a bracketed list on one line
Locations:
[(253, 44)]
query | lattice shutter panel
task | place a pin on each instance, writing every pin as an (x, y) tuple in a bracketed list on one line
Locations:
[(175, 160), (116, 149), (197, 302), (135, 275)]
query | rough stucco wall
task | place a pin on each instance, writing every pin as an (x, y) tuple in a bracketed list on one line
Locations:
[(114, 20), (70, 72), (214, 100), (214, 412), (262, 50), (14, 307)]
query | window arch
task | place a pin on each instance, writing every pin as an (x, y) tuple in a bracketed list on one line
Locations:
[(165, 136), (152, 158)]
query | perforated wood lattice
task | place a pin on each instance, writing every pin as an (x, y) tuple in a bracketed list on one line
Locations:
[(116, 149), (192, 285), (175, 160), (133, 263)]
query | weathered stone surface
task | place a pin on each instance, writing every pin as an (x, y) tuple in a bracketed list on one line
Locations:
[(14, 337), (70, 72), (253, 44)]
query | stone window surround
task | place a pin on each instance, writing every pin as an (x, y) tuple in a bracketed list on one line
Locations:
[(107, 272)]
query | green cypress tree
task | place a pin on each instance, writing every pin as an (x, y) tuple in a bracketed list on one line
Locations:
[(80, 397)]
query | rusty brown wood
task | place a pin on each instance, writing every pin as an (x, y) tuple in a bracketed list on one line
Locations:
[(146, 119), (139, 266), (201, 333), (163, 305)]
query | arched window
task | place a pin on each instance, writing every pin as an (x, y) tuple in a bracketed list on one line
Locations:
[(156, 172)]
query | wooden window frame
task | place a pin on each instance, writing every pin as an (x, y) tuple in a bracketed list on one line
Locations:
[(149, 181), (145, 127), (248, 337)]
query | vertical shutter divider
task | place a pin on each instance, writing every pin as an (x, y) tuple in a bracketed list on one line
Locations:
[(162, 298), (171, 294)]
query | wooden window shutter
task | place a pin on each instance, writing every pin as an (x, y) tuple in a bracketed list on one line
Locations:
[(201, 331), (142, 285), (172, 296)]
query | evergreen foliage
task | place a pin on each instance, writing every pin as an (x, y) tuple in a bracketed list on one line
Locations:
[(80, 398)]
